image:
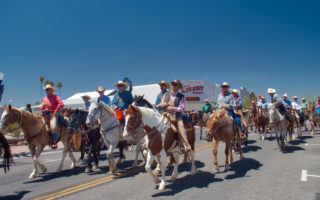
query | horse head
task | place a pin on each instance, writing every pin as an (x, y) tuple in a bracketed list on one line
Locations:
[(133, 121), (77, 120), (9, 116), (93, 115)]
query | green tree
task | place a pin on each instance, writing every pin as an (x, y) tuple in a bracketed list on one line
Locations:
[(59, 86), (246, 102), (41, 79)]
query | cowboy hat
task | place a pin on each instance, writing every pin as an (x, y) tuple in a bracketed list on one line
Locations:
[(303, 98), (121, 83), (164, 83), (86, 96), (101, 89), (225, 84), (235, 91), (206, 100), (49, 86), (294, 97), (263, 97), (285, 95), (271, 91), (177, 82)]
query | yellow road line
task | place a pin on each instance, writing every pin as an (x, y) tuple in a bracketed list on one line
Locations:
[(97, 182)]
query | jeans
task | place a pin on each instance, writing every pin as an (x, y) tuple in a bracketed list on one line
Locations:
[(236, 119)]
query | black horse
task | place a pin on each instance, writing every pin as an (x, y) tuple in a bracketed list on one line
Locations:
[(141, 102), (5, 150), (92, 145)]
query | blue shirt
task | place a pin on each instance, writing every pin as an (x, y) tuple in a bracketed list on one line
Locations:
[(122, 100), (163, 94), (105, 99), (286, 103)]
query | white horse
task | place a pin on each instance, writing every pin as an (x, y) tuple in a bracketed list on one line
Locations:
[(279, 124), (160, 140), (110, 131)]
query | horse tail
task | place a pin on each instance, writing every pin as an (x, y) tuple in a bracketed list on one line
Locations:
[(7, 156)]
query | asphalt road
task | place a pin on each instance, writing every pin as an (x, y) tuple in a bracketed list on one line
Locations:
[(264, 173)]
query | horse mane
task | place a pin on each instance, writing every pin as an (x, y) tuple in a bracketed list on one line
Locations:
[(107, 108)]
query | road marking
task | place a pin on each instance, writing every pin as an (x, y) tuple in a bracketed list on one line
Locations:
[(99, 181), (307, 144), (305, 175)]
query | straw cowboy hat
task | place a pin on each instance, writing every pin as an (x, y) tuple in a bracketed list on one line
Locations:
[(121, 83), (101, 89), (285, 95), (164, 83), (225, 84), (49, 86), (294, 97), (303, 98), (271, 91), (86, 96), (235, 91), (177, 82)]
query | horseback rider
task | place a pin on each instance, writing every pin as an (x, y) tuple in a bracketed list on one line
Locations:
[(286, 102), (226, 100), (163, 98), (86, 101), (121, 100), (102, 97), (207, 108), (176, 106), (296, 106), (52, 106)]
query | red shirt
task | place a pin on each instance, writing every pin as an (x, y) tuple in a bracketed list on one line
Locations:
[(52, 103)]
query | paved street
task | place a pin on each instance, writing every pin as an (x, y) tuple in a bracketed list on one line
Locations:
[(264, 173)]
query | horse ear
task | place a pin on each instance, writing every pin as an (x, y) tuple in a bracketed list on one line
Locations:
[(10, 107), (77, 110)]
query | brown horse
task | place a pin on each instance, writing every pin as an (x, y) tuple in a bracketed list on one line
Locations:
[(221, 127), (199, 120), (36, 135), (313, 117), (261, 120), (5, 150)]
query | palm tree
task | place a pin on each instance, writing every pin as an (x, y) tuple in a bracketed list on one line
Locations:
[(41, 79), (59, 86)]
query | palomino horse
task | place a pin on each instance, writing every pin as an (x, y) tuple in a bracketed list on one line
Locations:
[(221, 127), (279, 125), (5, 150), (313, 117), (36, 136), (162, 139), (262, 120), (298, 122)]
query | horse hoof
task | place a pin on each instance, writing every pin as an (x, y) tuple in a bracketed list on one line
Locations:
[(95, 167), (33, 175), (162, 186), (44, 170), (216, 170), (226, 168), (88, 170), (72, 166)]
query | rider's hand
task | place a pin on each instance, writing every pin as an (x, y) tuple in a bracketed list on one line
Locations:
[(171, 108)]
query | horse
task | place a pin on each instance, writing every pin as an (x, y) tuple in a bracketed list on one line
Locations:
[(279, 124), (221, 127), (261, 120), (91, 137), (6, 152), (200, 120), (36, 136), (161, 139), (298, 121), (313, 117)]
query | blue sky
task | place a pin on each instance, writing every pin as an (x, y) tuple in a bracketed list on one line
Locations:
[(257, 44)]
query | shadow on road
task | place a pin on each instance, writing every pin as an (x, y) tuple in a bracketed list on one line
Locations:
[(17, 195), (199, 180), (292, 149), (250, 148), (242, 167)]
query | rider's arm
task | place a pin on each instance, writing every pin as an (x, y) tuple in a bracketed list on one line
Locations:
[(181, 106), (59, 106)]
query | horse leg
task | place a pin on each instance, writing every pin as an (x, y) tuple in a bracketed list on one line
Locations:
[(150, 160), (157, 170), (38, 152), (64, 154), (34, 172), (239, 146), (163, 158), (89, 160), (227, 151), (215, 156), (231, 155), (200, 132), (193, 165), (112, 163), (176, 157), (122, 157), (138, 147)]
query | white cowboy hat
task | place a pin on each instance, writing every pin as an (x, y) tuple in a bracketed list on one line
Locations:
[(101, 89), (271, 91), (177, 82), (225, 84), (303, 98), (294, 97), (285, 95), (164, 83), (122, 83), (235, 91), (206, 100), (49, 86), (86, 96)]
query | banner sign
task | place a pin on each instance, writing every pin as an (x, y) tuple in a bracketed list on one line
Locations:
[(198, 90)]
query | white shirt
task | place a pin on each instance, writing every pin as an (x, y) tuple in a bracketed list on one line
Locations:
[(295, 106)]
